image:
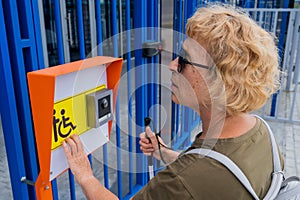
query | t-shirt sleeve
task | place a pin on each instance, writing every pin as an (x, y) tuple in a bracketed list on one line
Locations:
[(164, 185)]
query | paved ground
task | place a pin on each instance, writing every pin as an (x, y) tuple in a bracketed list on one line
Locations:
[(5, 188), (288, 138)]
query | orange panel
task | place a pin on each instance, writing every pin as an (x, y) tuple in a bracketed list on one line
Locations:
[(42, 102), (113, 72), (41, 89)]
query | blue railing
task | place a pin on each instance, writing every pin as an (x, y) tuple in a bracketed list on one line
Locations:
[(22, 51)]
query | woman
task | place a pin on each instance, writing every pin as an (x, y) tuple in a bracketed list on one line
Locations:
[(228, 67)]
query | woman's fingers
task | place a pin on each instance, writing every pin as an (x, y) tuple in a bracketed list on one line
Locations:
[(75, 146), (67, 150), (72, 145), (78, 143)]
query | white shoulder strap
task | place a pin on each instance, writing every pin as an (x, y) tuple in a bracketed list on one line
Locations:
[(278, 175), (276, 158), (227, 162)]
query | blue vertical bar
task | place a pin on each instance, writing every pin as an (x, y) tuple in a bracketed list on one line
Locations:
[(178, 6), (59, 37), (241, 3), (150, 66), (106, 5), (54, 189), (30, 59), (152, 35), (82, 56), (249, 3), (119, 158), (129, 91), (156, 62), (153, 85), (99, 27), (100, 53), (117, 114), (90, 160), (105, 168), (114, 26), (283, 28), (173, 121), (190, 8), (261, 4), (72, 185), (80, 29), (9, 118), (140, 14), (175, 27)]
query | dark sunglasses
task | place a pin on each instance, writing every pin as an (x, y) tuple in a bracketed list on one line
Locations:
[(182, 61)]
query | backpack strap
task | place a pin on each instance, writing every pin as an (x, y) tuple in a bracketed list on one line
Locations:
[(229, 164), (278, 175)]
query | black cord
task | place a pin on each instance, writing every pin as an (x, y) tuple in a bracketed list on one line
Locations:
[(159, 148), (148, 121)]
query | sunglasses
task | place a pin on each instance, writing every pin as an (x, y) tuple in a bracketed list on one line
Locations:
[(182, 61)]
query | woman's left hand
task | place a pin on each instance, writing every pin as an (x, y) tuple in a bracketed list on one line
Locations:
[(77, 159)]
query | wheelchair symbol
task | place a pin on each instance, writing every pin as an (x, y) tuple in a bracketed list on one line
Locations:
[(64, 127)]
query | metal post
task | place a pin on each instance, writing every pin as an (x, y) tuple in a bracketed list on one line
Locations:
[(140, 15)]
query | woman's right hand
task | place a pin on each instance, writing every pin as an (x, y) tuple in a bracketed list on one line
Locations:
[(148, 143)]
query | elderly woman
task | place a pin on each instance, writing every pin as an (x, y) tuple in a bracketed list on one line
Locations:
[(228, 67)]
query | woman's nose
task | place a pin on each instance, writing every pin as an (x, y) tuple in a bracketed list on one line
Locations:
[(173, 65)]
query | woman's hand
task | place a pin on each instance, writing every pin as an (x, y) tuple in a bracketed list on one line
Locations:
[(77, 159), (148, 143), (81, 168)]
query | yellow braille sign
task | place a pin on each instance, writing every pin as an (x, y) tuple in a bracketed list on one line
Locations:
[(70, 117)]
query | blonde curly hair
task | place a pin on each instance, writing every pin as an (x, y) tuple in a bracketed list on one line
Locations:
[(244, 54)]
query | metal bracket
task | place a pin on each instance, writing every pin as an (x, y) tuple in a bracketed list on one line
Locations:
[(26, 181), (151, 49)]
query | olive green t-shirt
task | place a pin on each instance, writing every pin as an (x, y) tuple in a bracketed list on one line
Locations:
[(195, 177)]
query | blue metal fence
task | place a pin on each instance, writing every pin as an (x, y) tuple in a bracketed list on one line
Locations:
[(22, 51), (10, 121)]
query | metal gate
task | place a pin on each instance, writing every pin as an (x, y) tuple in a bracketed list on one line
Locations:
[(38, 34), (285, 25)]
